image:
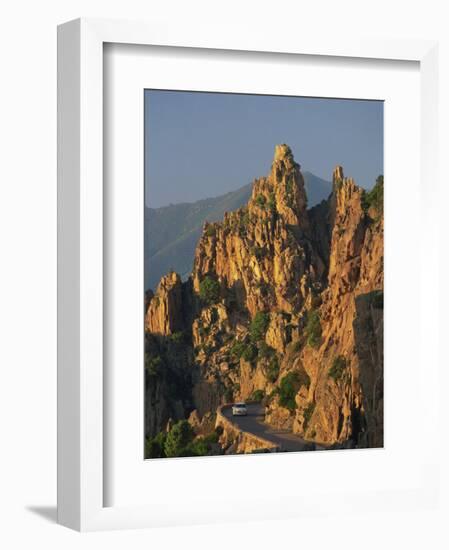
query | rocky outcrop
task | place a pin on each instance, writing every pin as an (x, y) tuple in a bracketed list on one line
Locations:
[(261, 253), (164, 311), (287, 185), (286, 302), (333, 408)]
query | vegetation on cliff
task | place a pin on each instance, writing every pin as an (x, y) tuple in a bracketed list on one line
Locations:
[(181, 440)]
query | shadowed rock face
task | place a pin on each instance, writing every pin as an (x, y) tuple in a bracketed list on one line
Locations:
[(368, 333), (297, 313)]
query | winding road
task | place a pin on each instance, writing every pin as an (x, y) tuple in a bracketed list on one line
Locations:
[(254, 423)]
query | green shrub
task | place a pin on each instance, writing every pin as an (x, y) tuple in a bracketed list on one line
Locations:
[(258, 326), (259, 252), (153, 364), (154, 446), (313, 329), (209, 290), (243, 221), (375, 197), (272, 371), (244, 218), (261, 201), (263, 286), (258, 395), (178, 439), (202, 445), (338, 368), (212, 438), (288, 388), (250, 353), (308, 415), (272, 203), (237, 349), (265, 351), (198, 447), (210, 231), (177, 337)]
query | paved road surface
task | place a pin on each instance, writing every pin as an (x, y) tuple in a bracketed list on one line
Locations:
[(254, 423)]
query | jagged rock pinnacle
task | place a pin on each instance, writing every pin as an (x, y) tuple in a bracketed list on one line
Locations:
[(282, 152), (164, 314), (337, 174)]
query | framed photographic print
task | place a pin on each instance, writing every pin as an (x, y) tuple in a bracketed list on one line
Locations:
[(232, 304)]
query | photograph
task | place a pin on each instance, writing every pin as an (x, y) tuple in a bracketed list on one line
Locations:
[(194, 213), (263, 274)]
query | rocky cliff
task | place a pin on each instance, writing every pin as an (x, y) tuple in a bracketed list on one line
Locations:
[(284, 304)]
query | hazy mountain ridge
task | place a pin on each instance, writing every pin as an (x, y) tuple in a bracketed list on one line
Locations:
[(172, 232)]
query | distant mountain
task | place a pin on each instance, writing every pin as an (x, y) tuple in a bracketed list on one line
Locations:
[(316, 188), (172, 232)]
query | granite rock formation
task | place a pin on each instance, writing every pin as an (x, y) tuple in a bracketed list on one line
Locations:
[(284, 304)]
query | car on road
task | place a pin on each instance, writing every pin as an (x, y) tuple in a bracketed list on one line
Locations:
[(239, 409)]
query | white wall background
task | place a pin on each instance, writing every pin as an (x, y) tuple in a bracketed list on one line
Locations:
[(28, 268)]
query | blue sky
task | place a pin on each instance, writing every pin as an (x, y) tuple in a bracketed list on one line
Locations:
[(200, 145)]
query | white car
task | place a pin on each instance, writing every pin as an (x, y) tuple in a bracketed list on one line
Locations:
[(239, 409)]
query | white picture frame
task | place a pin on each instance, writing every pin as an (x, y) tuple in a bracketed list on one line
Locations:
[(81, 407)]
